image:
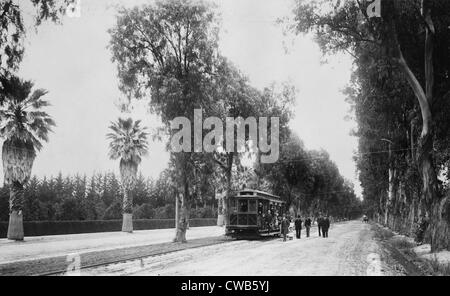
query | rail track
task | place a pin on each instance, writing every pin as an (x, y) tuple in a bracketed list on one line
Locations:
[(222, 240), (58, 265)]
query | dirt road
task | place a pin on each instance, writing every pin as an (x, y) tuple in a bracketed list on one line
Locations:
[(351, 249), (61, 245)]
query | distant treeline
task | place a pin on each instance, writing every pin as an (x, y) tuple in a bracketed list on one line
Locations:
[(99, 197)]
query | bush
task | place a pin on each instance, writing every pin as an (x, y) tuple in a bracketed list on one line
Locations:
[(439, 268), (166, 212), (69, 209), (385, 234), (114, 211), (207, 212), (4, 204), (403, 243), (144, 211)]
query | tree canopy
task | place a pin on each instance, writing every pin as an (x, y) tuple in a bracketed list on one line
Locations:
[(399, 94), (13, 30)]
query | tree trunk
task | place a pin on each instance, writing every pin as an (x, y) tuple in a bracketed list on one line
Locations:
[(127, 220), (220, 219), (431, 198), (438, 208), (222, 213), (404, 209), (183, 215), (177, 211), (228, 190), (227, 195), (382, 209), (390, 198), (412, 215), (289, 199), (440, 225), (16, 198), (128, 172), (183, 220), (18, 161)]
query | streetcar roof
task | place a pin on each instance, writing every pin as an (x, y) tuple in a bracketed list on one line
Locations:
[(258, 194)]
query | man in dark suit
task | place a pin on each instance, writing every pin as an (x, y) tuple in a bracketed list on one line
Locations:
[(298, 227), (325, 226), (319, 224), (307, 226)]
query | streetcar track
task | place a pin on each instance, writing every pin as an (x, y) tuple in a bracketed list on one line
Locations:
[(133, 258), (58, 265), (145, 256), (159, 254)]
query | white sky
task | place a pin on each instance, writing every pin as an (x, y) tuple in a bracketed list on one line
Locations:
[(72, 62)]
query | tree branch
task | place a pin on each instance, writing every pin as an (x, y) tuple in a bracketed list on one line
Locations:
[(410, 77)]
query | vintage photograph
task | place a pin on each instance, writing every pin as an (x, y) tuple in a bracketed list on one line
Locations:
[(225, 138)]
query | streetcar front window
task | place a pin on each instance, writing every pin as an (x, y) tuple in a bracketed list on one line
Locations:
[(243, 206)]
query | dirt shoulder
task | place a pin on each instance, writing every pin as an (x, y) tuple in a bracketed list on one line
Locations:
[(412, 259)]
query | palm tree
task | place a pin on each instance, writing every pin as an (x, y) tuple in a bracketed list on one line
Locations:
[(23, 127), (129, 143)]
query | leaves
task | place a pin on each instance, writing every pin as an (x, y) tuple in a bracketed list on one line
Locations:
[(128, 140), (12, 29), (310, 181), (381, 98), (165, 52), (22, 123)]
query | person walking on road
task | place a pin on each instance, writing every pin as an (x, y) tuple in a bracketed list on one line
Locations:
[(268, 220), (284, 227), (365, 219), (307, 226), (319, 224), (325, 226), (298, 227)]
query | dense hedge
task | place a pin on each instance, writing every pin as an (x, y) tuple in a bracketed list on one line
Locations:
[(38, 228)]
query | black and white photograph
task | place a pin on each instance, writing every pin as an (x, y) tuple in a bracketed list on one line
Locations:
[(225, 143)]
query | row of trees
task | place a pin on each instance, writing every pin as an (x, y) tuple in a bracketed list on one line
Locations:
[(310, 182), (400, 94), (99, 198), (25, 126), (166, 53)]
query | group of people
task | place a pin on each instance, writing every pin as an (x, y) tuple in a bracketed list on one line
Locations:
[(271, 220), (323, 224)]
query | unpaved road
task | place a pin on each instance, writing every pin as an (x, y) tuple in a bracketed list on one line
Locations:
[(351, 249), (51, 246)]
